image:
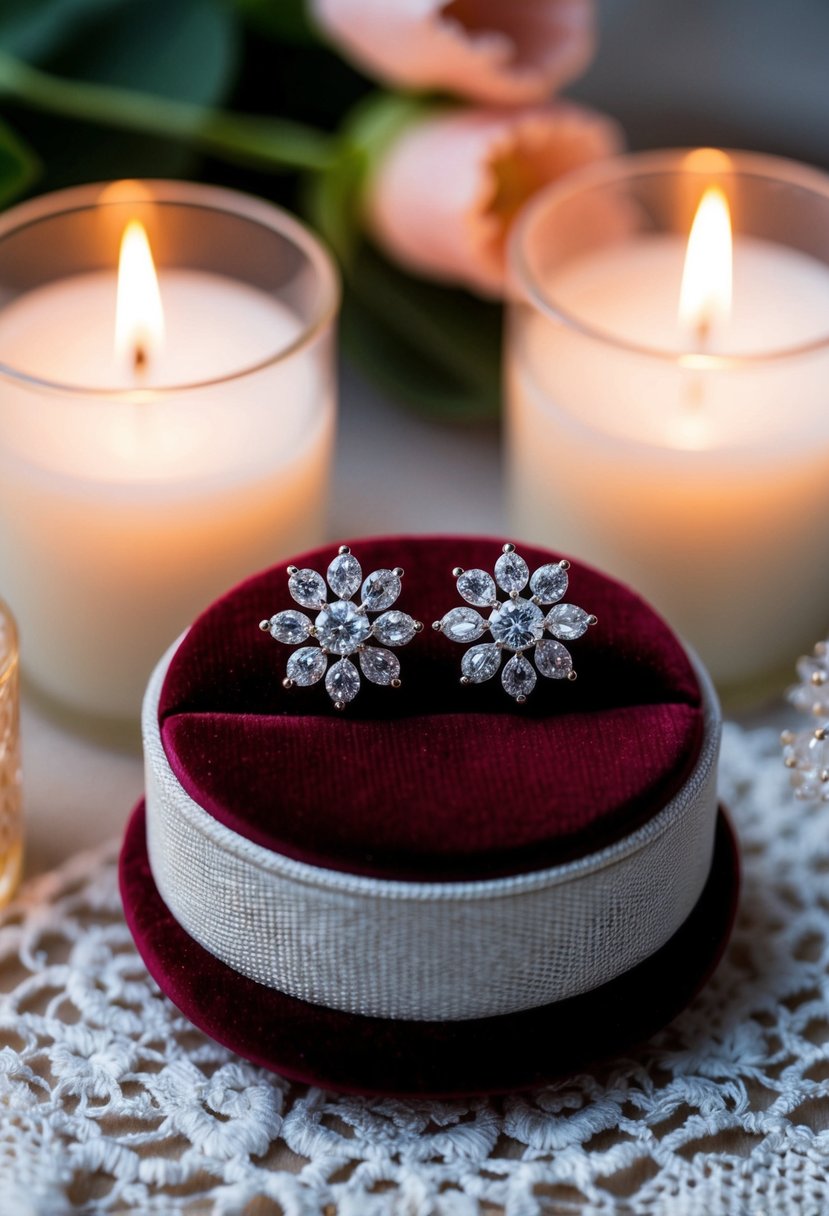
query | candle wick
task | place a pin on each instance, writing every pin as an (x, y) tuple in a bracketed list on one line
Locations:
[(139, 358), (693, 389), (703, 333)]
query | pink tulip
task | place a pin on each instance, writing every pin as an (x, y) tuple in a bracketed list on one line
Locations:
[(442, 197), (505, 52)]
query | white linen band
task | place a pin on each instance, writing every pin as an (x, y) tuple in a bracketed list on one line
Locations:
[(428, 951)]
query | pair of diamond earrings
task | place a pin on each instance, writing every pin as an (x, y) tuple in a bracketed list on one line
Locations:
[(343, 626)]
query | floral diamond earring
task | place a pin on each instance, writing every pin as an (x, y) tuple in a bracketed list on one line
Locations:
[(517, 624), (342, 627)]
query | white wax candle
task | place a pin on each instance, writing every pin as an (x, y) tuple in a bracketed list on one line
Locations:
[(213, 326), (631, 291), (698, 484), (125, 507)]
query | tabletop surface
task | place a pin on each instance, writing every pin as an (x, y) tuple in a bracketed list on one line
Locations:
[(119, 1105)]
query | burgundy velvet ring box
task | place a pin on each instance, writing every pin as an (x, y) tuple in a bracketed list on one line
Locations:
[(436, 891)]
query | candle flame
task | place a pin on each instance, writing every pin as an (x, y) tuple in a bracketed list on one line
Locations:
[(705, 294), (139, 317)]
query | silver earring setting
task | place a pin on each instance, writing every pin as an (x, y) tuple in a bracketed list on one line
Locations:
[(516, 624), (342, 628)]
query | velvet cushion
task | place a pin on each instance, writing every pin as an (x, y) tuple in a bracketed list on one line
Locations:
[(435, 780)]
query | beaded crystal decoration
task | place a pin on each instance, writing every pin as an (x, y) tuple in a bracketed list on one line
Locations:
[(806, 752), (517, 624), (343, 628)]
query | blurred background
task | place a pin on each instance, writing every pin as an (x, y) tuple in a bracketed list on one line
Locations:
[(740, 73), (746, 73), (737, 73)]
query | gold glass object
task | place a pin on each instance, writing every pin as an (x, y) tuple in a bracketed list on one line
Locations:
[(11, 821)]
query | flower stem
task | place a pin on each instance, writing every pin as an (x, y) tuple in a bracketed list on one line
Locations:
[(267, 143)]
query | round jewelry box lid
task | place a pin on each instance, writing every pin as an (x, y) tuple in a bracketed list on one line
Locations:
[(434, 781)]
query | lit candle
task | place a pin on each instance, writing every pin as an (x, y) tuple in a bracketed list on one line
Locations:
[(161, 435), (668, 412)]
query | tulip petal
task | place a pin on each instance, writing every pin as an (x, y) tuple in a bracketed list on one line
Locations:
[(504, 52), (442, 198)]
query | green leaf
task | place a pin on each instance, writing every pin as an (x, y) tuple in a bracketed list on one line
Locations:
[(282, 20), (18, 165), (183, 53), (377, 120), (330, 200), (333, 198), (436, 349), (187, 50), (35, 29)]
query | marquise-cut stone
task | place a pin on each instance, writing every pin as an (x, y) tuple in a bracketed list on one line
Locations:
[(344, 575), (342, 683), (307, 588), (567, 621), (477, 587), (306, 666), (380, 590), (549, 583), (511, 572), (517, 624), (463, 625), (394, 628), (481, 663), (290, 627), (379, 666), (518, 676), (341, 627), (553, 660)]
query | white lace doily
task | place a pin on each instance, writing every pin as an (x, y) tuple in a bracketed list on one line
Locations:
[(111, 1102)]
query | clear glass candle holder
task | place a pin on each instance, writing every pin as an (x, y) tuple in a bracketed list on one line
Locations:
[(11, 820), (690, 463), (151, 460)]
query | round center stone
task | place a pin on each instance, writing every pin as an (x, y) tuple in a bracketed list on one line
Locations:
[(341, 628), (517, 624)]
